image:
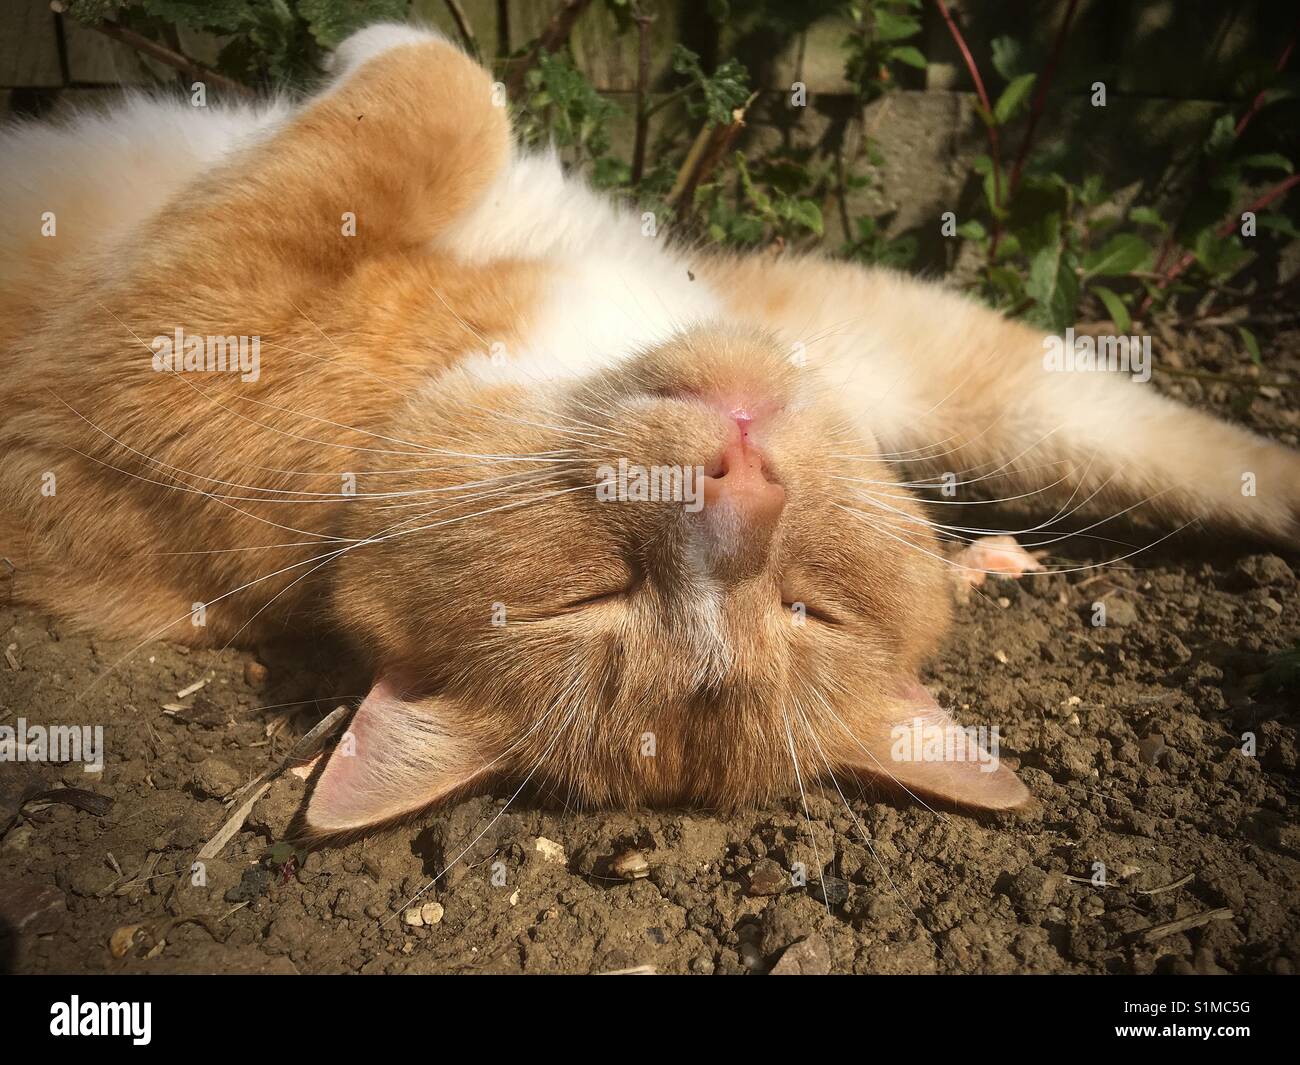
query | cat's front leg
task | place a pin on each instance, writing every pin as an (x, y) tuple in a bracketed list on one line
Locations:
[(959, 395)]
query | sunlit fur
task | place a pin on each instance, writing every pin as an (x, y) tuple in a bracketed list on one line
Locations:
[(492, 335)]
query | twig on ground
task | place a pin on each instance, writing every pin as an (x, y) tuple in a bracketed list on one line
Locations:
[(304, 749), (1183, 924)]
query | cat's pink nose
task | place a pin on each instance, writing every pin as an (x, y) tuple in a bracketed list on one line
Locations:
[(740, 482)]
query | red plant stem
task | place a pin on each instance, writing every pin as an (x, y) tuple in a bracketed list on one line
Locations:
[(1168, 244), (1226, 227), (984, 100), (1258, 102), (1040, 97)]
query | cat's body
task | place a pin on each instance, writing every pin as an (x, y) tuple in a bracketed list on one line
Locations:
[(453, 339)]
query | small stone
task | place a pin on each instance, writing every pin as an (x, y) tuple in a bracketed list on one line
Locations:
[(1003, 602), (829, 889), (1271, 605), (29, 908), (18, 839), (255, 674), (1001, 656), (413, 918), (431, 913), (1259, 571), (215, 779), (1120, 612), (808, 957), (630, 865), (765, 877), (252, 885), (550, 851), (1152, 749)]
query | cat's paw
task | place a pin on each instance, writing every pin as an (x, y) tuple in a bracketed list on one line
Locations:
[(996, 556), (382, 37)]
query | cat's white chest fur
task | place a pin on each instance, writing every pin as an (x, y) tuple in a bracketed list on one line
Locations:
[(613, 286)]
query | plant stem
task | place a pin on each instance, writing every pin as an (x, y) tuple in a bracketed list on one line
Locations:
[(711, 143), (1040, 98), (503, 28), (1168, 244), (1225, 379), (553, 37), (994, 150), (1258, 102), (664, 101), (162, 53), (643, 24), (1225, 227), (463, 27)]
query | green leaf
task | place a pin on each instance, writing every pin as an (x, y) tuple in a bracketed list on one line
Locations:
[(330, 21), (1054, 286), (972, 230), (1008, 282), (1221, 257), (1278, 223), (1221, 137), (726, 89), (806, 213), (1037, 212), (894, 27), (1008, 57), (1092, 191), (1114, 307), (909, 55), (1147, 216), (1012, 97), (983, 166), (1122, 254), (1252, 345), (215, 15), (1268, 161)]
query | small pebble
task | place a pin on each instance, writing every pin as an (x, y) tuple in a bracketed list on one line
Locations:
[(765, 877), (1120, 612), (630, 865), (808, 957), (1152, 749), (550, 851), (829, 889)]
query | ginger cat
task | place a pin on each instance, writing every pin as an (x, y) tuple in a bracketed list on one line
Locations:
[(362, 365)]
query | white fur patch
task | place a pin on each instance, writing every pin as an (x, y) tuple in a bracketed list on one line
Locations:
[(614, 288)]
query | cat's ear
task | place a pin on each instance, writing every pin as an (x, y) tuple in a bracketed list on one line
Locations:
[(919, 747), (397, 756)]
